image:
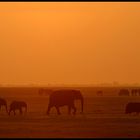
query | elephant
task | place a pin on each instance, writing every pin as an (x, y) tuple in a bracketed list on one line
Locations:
[(134, 92), (64, 97), (3, 103), (17, 105), (132, 107), (124, 92)]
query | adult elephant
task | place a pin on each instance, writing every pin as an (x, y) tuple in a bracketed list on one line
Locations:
[(3, 103), (17, 105), (134, 92), (124, 92), (59, 98)]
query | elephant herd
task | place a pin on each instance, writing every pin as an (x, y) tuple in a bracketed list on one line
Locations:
[(15, 105), (57, 99), (126, 92)]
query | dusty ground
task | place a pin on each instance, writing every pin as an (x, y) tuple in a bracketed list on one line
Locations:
[(103, 117)]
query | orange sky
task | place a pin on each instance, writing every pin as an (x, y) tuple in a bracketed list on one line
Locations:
[(69, 42)]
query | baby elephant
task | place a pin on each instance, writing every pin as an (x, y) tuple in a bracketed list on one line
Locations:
[(132, 107), (3, 103), (17, 105)]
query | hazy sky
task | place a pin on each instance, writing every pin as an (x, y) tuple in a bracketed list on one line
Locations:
[(69, 42)]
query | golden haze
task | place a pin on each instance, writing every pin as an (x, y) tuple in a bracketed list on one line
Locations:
[(69, 42)]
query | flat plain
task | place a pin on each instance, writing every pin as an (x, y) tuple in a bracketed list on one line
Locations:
[(103, 117)]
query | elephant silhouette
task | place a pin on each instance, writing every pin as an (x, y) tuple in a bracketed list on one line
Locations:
[(17, 105), (124, 92), (3, 103), (135, 92), (59, 98), (132, 107)]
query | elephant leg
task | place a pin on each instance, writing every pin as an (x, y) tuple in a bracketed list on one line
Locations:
[(58, 111), (74, 108), (6, 108), (48, 110), (9, 111), (20, 111), (14, 112), (69, 110)]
